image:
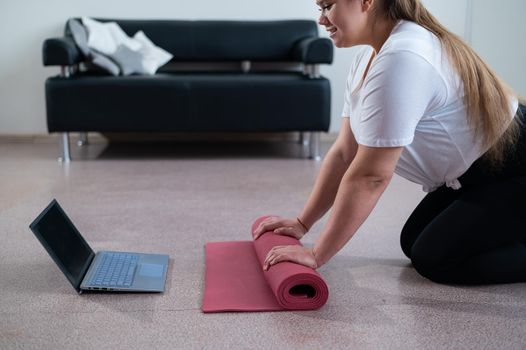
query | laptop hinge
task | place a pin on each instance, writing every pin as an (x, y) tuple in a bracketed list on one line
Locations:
[(85, 271)]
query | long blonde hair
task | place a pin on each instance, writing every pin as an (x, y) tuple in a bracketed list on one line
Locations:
[(486, 97)]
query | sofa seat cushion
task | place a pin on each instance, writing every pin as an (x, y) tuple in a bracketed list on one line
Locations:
[(193, 102)]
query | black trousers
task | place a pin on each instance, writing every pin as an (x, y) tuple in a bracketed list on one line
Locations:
[(477, 234)]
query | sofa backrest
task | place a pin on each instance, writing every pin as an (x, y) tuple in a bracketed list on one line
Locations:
[(223, 40)]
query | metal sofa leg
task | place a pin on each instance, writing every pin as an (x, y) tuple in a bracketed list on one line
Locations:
[(65, 72), (314, 149), (66, 157), (304, 140), (83, 139), (313, 72)]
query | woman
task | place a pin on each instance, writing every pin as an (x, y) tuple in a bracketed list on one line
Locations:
[(419, 102)]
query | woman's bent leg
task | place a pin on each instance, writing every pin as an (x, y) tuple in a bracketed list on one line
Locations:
[(430, 207), (478, 239)]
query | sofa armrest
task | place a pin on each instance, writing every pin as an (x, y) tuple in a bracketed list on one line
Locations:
[(61, 52), (314, 50)]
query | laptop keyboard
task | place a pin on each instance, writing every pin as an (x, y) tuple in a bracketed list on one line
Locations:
[(115, 269)]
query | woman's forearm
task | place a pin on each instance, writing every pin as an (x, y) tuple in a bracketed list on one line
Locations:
[(354, 201), (325, 188)]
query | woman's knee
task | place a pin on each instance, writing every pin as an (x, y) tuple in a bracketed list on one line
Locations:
[(407, 239), (433, 265), (427, 210)]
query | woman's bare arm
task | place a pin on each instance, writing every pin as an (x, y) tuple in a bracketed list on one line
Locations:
[(361, 187), (335, 164), (324, 191)]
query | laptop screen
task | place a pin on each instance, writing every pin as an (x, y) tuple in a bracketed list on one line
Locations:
[(63, 242)]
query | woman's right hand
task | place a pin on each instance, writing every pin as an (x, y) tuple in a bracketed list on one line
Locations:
[(280, 226)]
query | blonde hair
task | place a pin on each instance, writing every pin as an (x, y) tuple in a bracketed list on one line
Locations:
[(486, 97)]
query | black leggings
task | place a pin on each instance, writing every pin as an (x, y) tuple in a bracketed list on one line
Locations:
[(474, 235)]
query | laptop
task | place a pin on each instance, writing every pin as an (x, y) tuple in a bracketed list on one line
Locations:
[(104, 271)]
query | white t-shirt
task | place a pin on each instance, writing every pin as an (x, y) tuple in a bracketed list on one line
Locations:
[(412, 97)]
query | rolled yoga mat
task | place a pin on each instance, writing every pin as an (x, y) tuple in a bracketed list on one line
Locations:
[(235, 279)]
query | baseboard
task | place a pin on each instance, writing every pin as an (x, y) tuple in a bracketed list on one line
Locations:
[(161, 137)]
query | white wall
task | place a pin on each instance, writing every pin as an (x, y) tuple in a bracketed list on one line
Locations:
[(496, 34)]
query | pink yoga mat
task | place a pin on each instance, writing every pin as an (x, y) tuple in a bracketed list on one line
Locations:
[(235, 280)]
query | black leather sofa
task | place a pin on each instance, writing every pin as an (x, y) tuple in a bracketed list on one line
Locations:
[(226, 76)]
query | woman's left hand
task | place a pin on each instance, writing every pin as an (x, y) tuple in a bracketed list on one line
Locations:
[(293, 253)]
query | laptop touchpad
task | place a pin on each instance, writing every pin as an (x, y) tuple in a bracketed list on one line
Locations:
[(151, 270)]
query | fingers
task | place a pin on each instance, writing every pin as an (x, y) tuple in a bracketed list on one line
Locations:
[(294, 253), (279, 226), (275, 255), (266, 225), (271, 259)]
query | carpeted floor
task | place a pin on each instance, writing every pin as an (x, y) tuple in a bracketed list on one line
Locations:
[(172, 198)]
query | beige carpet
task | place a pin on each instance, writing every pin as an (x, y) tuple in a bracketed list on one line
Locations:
[(172, 198)]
